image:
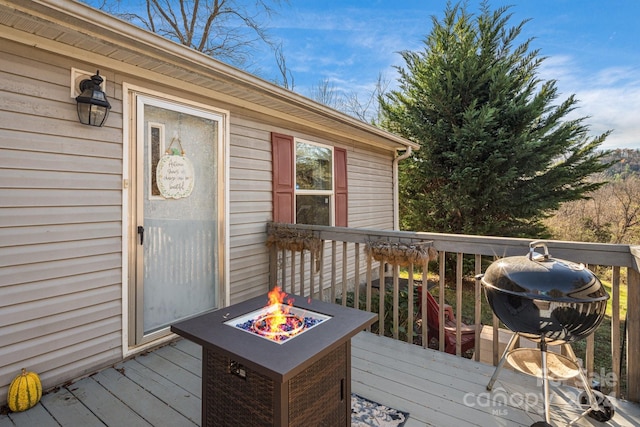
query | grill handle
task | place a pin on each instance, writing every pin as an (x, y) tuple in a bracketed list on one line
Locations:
[(535, 256)]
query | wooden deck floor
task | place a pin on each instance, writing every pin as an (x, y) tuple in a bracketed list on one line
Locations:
[(162, 388)]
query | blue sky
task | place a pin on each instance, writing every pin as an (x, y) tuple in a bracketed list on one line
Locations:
[(593, 49)]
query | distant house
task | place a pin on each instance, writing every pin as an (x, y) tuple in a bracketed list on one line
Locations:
[(104, 240)]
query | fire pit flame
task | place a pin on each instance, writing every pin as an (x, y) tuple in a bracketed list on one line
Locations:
[(278, 313), (279, 320)]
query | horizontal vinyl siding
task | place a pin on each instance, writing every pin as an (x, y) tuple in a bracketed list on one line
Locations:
[(60, 224), (250, 205), (370, 189)]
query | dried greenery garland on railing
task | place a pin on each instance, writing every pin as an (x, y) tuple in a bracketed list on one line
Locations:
[(283, 237), (401, 254)]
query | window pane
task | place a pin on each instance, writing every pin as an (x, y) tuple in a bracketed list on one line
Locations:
[(313, 167), (313, 210)]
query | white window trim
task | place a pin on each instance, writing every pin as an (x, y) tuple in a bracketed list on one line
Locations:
[(331, 193)]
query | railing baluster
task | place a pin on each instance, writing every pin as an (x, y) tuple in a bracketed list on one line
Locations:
[(356, 287), (441, 293), (495, 347), (633, 335), (369, 285), (589, 352), (459, 259), (423, 305), (283, 268), (382, 293), (410, 304), (333, 271), (344, 273), (321, 275), (292, 285), (478, 306), (615, 329), (312, 276), (301, 273), (396, 287)]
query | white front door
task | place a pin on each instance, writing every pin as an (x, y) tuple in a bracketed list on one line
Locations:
[(178, 214)]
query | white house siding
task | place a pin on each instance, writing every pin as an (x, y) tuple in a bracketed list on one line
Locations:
[(370, 189), (250, 207), (60, 224)]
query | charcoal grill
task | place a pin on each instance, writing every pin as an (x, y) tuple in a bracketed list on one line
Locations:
[(552, 302)]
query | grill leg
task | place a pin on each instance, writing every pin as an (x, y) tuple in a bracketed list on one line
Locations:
[(593, 401), (545, 379), (510, 346)]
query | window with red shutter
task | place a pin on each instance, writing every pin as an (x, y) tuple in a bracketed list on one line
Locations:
[(283, 179), (309, 179)]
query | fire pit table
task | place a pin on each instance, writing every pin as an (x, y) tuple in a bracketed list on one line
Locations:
[(251, 379)]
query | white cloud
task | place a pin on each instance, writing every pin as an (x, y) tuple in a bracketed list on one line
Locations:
[(609, 97)]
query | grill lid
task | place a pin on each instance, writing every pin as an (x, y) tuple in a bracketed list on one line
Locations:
[(539, 276)]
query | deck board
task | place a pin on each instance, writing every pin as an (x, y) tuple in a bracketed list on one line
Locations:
[(151, 408), (174, 373), (36, 416), (67, 409), (163, 388), (172, 394), (187, 361)]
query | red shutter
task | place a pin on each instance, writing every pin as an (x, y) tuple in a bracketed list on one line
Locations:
[(283, 179), (340, 173)]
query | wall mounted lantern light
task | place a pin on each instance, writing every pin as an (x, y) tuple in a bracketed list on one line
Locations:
[(93, 106)]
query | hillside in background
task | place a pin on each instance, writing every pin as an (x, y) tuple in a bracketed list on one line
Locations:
[(627, 162), (611, 214)]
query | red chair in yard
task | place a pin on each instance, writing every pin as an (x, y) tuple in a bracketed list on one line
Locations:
[(468, 332)]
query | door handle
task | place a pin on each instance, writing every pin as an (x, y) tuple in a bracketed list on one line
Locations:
[(141, 234)]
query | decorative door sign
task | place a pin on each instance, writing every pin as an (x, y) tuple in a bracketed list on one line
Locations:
[(174, 173)]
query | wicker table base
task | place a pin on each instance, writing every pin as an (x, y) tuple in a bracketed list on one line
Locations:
[(238, 396)]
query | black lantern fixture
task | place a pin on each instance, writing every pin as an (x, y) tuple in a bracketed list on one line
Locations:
[(93, 106)]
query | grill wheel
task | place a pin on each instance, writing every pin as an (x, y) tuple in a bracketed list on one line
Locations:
[(605, 411)]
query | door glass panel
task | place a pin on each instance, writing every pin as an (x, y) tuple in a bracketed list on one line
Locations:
[(180, 265)]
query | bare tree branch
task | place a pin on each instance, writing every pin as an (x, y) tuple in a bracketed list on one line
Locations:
[(325, 93), (367, 109), (228, 30), (285, 73)]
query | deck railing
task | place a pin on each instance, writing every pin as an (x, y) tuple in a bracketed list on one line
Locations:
[(345, 265)]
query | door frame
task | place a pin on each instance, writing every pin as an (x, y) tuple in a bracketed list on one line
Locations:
[(130, 163)]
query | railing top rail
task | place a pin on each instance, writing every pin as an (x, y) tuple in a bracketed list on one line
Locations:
[(354, 235), (585, 252)]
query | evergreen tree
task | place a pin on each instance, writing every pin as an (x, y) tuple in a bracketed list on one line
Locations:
[(497, 155)]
